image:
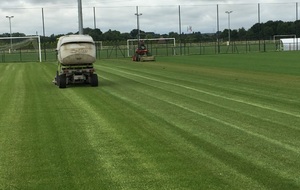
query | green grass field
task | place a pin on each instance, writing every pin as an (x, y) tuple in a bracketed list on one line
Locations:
[(186, 122)]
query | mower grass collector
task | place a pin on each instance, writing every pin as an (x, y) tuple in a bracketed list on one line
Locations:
[(76, 55)]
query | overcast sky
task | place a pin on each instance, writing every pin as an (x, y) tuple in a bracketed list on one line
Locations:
[(160, 16)]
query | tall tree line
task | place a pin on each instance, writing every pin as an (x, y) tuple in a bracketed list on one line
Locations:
[(259, 31)]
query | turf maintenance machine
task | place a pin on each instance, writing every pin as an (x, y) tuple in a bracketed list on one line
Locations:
[(142, 53), (76, 55)]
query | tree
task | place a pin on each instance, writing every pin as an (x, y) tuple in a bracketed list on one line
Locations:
[(268, 31), (125, 36), (173, 35), (17, 34), (250, 35), (224, 34), (242, 33), (234, 35), (134, 33), (112, 35), (297, 27), (255, 31), (282, 28), (151, 35), (96, 34)]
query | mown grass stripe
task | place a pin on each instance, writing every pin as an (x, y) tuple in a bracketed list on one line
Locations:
[(210, 93), (107, 158), (131, 101), (276, 135), (192, 153), (136, 133), (275, 144), (213, 102), (288, 147), (13, 104), (270, 140), (209, 77), (276, 131), (241, 83)]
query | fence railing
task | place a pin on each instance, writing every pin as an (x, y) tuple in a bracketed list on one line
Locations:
[(184, 48)]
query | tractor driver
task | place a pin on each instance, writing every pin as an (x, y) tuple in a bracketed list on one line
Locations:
[(142, 45)]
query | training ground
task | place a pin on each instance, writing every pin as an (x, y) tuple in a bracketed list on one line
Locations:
[(182, 122)]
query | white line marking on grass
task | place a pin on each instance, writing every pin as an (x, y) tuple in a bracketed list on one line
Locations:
[(288, 147), (212, 94), (212, 103), (270, 140)]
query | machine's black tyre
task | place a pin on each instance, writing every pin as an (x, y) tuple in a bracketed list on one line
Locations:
[(94, 80), (62, 81), (56, 78)]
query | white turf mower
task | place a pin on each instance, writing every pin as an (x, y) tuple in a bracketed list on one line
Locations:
[(76, 55)]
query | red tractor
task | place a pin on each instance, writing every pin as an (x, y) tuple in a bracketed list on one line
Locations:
[(142, 53)]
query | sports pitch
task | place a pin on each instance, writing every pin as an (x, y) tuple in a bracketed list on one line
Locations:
[(184, 122)]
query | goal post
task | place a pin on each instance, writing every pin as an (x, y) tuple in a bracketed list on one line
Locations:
[(286, 42), (99, 45), (132, 44), (275, 37), (28, 43)]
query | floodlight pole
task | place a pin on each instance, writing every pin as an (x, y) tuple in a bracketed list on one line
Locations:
[(228, 12), (80, 20), (94, 9), (138, 22), (9, 18)]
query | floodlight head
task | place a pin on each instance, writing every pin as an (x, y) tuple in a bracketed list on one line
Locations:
[(9, 16), (228, 12)]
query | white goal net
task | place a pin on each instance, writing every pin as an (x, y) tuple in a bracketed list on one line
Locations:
[(154, 45), (28, 47)]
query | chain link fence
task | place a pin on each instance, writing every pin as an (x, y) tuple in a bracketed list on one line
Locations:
[(121, 50), (181, 19)]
